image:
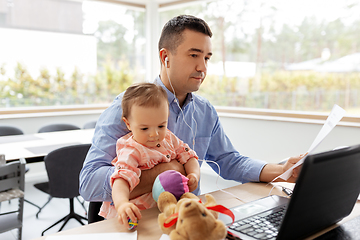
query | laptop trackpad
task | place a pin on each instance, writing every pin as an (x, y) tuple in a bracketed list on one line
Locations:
[(254, 207)]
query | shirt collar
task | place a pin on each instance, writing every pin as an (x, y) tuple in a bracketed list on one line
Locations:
[(171, 96)]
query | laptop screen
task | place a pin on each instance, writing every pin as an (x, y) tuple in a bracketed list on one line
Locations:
[(325, 192)]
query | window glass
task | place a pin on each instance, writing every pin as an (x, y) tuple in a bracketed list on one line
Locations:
[(281, 54), (272, 54), (68, 52)]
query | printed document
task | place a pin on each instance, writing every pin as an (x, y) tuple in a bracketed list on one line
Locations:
[(336, 114)]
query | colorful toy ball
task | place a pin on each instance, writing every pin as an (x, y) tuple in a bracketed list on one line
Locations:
[(132, 225), (171, 181)]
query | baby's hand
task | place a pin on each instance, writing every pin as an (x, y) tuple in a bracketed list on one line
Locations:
[(128, 210), (193, 181)]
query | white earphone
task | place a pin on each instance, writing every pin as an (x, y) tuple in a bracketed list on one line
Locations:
[(166, 62)]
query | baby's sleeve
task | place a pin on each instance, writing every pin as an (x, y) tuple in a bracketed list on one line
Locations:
[(126, 166), (182, 150)]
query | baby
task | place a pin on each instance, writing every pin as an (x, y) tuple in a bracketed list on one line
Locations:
[(145, 112)]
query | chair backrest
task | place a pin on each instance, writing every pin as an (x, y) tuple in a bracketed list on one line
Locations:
[(12, 175), (63, 167), (57, 128), (88, 125), (11, 187), (9, 130)]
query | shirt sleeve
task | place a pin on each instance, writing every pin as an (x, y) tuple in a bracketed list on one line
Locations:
[(182, 150), (126, 164), (97, 168)]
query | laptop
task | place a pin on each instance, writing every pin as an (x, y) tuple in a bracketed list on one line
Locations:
[(325, 192)]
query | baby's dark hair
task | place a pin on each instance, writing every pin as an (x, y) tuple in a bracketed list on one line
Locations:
[(171, 35), (144, 95)]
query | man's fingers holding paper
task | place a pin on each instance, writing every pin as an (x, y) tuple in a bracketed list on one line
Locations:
[(296, 171)]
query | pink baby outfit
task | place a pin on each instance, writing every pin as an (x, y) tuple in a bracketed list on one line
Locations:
[(133, 157)]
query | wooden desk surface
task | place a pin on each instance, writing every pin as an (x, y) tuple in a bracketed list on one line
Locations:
[(148, 227), (40, 144)]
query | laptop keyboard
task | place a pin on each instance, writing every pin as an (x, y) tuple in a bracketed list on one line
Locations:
[(262, 226)]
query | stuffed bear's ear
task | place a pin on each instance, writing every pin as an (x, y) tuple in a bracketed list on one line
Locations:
[(210, 202), (166, 200)]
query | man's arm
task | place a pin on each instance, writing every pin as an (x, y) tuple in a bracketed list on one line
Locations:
[(271, 171), (97, 168), (148, 177)]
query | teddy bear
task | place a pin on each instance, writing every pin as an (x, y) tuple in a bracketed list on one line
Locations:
[(188, 218)]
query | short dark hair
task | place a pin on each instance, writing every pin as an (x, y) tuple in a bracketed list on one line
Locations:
[(171, 35), (143, 94)]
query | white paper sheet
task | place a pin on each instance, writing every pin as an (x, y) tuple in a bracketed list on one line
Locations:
[(96, 236), (336, 114)]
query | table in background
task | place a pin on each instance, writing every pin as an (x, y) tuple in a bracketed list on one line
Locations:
[(148, 228), (40, 144)]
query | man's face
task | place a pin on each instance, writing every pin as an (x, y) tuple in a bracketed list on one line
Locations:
[(188, 65)]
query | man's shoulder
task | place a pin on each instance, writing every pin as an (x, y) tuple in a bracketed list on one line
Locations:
[(202, 102)]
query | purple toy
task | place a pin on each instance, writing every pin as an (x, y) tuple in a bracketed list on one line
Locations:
[(171, 181)]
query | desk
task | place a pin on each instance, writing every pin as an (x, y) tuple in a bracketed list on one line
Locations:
[(148, 228), (40, 144)]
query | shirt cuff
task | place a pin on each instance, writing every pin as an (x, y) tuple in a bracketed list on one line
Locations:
[(253, 171)]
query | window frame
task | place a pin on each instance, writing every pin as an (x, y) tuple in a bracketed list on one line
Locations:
[(235, 112)]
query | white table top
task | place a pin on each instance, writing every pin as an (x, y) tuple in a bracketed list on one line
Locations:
[(40, 144)]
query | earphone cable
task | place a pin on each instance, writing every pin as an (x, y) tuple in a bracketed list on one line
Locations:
[(194, 134)]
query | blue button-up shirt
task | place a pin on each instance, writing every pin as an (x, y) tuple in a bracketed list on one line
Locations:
[(197, 124)]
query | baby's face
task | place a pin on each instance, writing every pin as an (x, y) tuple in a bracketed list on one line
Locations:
[(149, 124)]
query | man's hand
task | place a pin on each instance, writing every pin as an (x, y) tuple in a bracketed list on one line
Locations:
[(290, 163), (148, 177), (271, 171)]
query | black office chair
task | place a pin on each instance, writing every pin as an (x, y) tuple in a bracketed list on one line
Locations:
[(93, 212), (52, 128), (89, 125), (58, 127), (10, 131), (63, 167)]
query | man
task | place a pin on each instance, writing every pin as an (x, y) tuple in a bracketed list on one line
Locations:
[(184, 51)]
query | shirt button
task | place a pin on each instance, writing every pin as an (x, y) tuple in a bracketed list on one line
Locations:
[(168, 156), (158, 145), (186, 149)]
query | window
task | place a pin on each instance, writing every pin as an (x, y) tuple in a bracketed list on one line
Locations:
[(288, 55), (68, 52), (267, 54)]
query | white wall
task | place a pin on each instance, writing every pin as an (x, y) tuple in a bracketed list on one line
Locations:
[(263, 139), (268, 140), (273, 141)]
